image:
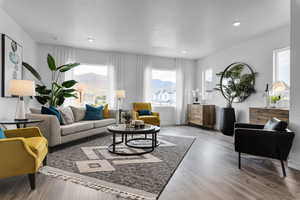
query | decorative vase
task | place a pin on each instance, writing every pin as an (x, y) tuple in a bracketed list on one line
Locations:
[(227, 120)]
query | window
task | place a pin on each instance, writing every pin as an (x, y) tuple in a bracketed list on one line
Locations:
[(207, 83), (163, 87), (92, 84), (282, 65)]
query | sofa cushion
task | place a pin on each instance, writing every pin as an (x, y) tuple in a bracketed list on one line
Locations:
[(78, 112), (275, 125), (104, 122), (67, 116), (93, 113), (76, 127), (38, 145)]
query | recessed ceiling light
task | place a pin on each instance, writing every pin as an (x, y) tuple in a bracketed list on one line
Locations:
[(183, 51), (91, 39), (236, 23)]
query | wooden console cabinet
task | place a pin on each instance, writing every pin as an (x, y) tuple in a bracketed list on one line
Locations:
[(262, 115), (202, 115)]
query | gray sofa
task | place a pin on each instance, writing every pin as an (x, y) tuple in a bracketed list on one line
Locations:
[(58, 134)]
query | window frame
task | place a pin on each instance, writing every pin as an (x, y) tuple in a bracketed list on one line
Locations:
[(107, 75), (275, 62), (155, 104)]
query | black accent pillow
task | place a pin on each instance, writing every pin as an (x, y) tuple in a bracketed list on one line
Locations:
[(275, 125)]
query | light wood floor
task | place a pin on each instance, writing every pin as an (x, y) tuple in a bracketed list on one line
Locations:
[(209, 172)]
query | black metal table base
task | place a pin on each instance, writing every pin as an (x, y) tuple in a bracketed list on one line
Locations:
[(113, 148)]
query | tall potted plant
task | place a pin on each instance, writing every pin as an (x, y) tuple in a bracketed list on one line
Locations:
[(235, 85), (58, 91)]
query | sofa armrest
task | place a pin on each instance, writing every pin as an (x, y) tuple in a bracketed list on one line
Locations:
[(274, 144), (50, 127), (16, 158), (155, 114), (23, 132), (246, 125)]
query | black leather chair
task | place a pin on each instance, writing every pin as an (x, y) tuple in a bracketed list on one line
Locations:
[(273, 140)]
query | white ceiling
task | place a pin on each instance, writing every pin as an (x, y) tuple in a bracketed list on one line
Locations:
[(156, 27)]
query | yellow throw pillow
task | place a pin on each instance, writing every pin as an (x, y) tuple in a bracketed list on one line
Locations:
[(105, 111)]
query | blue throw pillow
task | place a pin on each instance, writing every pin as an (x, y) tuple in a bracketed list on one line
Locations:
[(145, 112), (51, 111), (2, 135), (93, 113)]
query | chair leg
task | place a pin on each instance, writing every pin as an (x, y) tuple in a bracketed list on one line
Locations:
[(239, 160), (283, 168), (32, 181), (45, 161)]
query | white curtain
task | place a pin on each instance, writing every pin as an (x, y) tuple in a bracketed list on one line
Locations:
[(116, 67), (184, 86)]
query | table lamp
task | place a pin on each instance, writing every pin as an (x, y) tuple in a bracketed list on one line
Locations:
[(279, 87), (21, 88)]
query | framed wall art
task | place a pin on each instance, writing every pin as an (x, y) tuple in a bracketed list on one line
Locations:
[(11, 63)]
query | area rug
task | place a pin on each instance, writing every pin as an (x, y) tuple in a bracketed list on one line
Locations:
[(128, 177)]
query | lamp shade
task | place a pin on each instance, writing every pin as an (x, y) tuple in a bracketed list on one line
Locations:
[(120, 94), (280, 86), (21, 88)]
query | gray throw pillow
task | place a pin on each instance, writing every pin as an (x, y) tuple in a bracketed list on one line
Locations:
[(66, 115), (78, 112)]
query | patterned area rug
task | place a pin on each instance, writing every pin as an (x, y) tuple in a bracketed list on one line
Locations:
[(128, 177)]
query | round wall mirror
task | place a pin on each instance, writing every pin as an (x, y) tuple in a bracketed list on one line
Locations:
[(237, 82)]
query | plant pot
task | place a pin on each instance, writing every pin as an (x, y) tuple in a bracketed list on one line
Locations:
[(227, 120)]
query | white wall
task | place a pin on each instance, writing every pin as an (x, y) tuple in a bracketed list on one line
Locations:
[(129, 73), (258, 53), (9, 27), (295, 83)]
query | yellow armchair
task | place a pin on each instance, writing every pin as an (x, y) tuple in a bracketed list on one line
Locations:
[(22, 152), (153, 119)]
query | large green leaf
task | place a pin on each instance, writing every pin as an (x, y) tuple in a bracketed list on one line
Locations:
[(69, 83), (32, 71), (68, 95), (51, 63), (69, 90), (42, 99), (41, 89), (67, 67), (60, 101)]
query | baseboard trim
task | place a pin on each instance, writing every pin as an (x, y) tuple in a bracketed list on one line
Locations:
[(293, 163)]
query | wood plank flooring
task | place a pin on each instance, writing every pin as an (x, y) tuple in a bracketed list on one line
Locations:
[(209, 172)]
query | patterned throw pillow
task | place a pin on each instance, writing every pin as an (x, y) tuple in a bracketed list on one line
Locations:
[(67, 116), (93, 113)]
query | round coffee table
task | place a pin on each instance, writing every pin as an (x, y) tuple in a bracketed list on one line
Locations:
[(121, 129)]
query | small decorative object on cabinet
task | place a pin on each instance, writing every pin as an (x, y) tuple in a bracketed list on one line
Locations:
[(203, 115), (262, 115)]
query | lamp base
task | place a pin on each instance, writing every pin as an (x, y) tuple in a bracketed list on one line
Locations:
[(20, 111)]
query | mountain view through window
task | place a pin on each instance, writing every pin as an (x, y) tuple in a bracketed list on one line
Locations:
[(163, 87), (92, 84)]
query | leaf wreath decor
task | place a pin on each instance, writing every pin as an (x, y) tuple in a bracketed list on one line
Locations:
[(237, 82), (56, 94)]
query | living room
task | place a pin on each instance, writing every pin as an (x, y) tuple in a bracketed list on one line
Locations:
[(149, 99)]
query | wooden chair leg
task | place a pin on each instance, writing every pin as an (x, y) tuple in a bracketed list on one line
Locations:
[(32, 181), (283, 168), (239, 160), (45, 161)]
